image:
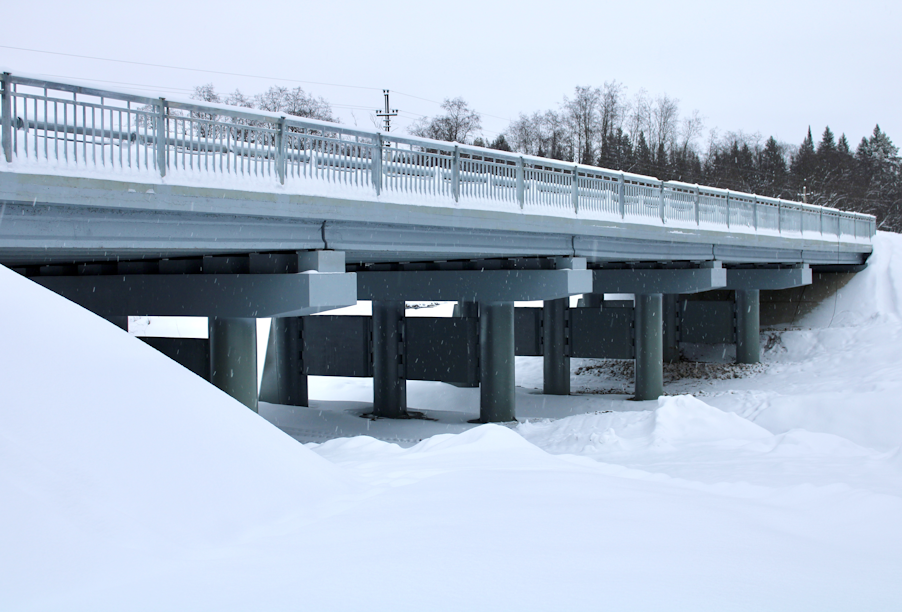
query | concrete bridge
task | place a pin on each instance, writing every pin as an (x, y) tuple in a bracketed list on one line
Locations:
[(135, 205)]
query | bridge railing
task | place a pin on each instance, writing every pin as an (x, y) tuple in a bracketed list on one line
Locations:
[(69, 128)]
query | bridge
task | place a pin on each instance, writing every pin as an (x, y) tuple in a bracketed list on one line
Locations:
[(136, 205)]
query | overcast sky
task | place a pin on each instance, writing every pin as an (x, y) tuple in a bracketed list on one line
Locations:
[(772, 67)]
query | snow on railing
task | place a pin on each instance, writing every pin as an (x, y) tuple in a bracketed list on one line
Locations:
[(70, 126)]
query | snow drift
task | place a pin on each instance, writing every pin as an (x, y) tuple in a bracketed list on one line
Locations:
[(128, 483)]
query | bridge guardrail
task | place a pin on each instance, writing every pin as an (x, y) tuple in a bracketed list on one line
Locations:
[(120, 132)]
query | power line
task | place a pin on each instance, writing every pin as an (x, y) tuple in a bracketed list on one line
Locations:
[(238, 74)]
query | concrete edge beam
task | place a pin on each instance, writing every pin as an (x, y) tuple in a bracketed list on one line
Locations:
[(207, 295), (652, 281), (473, 285), (768, 278)]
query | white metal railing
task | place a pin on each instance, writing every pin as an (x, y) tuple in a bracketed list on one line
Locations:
[(72, 127)]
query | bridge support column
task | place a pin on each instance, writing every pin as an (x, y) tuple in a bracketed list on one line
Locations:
[(466, 309), (748, 334), (556, 361), (649, 347), (671, 317), (233, 358), (496, 362), (592, 300), (389, 384), (290, 380)]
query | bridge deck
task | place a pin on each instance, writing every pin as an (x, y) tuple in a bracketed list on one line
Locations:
[(102, 175)]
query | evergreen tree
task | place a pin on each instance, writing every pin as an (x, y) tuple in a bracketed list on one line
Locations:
[(804, 161), (772, 168), (643, 160), (826, 146), (500, 143)]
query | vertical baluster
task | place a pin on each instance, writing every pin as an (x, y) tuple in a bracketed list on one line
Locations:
[(37, 151), (102, 126), (56, 131), (25, 115), (66, 131), (46, 151)]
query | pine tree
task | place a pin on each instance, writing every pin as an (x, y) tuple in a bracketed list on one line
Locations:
[(804, 164), (500, 144), (772, 166), (643, 161)]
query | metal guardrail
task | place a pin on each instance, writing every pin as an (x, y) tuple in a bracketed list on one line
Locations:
[(69, 126)]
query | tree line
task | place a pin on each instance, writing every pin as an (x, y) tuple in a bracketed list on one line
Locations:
[(602, 126)]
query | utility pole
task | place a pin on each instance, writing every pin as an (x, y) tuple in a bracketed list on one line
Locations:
[(387, 114)]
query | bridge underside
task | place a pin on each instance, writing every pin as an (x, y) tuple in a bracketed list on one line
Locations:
[(120, 248)]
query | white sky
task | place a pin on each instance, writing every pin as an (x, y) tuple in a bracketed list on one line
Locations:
[(768, 66)]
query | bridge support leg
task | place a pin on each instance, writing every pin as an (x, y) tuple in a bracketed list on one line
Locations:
[(649, 347), (556, 361), (389, 384), (671, 344), (466, 309), (233, 358), (748, 334), (592, 300), (291, 382), (496, 362)]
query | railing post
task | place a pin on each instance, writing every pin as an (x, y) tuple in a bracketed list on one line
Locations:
[(801, 221), (821, 219), (455, 174), (622, 195), (280, 151), (160, 138), (574, 190), (663, 219), (755, 213), (698, 197), (376, 167), (521, 182), (728, 209), (779, 216), (7, 119)]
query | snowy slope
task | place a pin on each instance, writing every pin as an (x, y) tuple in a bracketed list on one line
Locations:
[(128, 483)]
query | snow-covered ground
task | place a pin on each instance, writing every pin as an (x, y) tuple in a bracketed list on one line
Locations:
[(126, 483)]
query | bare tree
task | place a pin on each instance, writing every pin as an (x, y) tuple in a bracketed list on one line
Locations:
[(664, 119), (459, 123), (692, 128), (612, 108), (294, 102), (583, 118)]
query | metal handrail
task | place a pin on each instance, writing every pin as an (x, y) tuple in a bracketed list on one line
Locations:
[(119, 130)]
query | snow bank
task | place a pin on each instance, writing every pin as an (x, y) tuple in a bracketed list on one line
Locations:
[(113, 457), (872, 296), (679, 421)]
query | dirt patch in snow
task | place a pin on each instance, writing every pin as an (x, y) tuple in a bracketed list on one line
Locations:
[(619, 374)]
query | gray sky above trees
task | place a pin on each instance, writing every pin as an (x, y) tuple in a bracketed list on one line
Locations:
[(768, 66)]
